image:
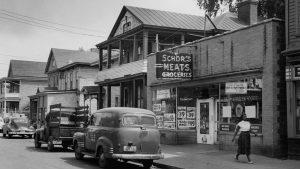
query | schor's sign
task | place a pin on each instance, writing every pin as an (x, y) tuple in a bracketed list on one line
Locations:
[(174, 66)]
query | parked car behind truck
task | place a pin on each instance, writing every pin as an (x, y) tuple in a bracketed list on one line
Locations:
[(60, 125), (120, 133), (17, 126)]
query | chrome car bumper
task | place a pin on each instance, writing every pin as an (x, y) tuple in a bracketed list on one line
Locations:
[(138, 156), (21, 133)]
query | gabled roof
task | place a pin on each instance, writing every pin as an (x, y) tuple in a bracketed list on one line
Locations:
[(158, 18), (64, 57), (228, 21), (22, 68)]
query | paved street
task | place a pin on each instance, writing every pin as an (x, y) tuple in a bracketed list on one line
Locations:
[(18, 153)]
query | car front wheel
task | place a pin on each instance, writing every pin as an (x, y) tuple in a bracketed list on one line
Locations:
[(147, 163), (78, 154), (102, 161)]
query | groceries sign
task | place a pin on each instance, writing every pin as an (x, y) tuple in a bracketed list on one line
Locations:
[(174, 66)]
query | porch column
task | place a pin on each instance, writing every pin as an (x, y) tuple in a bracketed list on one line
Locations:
[(182, 39), (100, 59), (108, 56), (100, 101), (121, 52), (133, 94), (144, 92), (145, 44), (157, 43), (134, 48), (108, 96), (121, 94), (5, 111)]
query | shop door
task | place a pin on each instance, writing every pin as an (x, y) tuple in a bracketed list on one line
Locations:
[(205, 121)]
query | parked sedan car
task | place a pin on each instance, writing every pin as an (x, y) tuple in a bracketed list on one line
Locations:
[(127, 134), (17, 126)]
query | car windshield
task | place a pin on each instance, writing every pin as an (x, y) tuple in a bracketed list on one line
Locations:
[(20, 122), (131, 120)]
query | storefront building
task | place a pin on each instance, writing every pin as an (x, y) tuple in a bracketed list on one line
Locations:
[(200, 89), (292, 55)]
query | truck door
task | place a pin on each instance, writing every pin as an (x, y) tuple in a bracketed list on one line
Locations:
[(90, 136)]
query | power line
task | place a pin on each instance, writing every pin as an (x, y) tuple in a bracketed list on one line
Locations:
[(42, 20), (32, 23)]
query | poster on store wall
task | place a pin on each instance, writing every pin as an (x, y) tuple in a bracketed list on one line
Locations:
[(226, 111), (181, 112), (236, 88), (169, 117), (160, 121), (163, 94), (191, 113), (250, 111), (156, 107), (169, 125), (184, 123)]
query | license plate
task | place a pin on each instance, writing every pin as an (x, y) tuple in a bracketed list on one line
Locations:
[(57, 141), (130, 148)]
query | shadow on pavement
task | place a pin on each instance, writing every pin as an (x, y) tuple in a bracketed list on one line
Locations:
[(88, 162), (44, 149)]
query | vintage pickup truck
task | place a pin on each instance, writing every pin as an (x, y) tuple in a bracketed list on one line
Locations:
[(60, 125), (120, 134)]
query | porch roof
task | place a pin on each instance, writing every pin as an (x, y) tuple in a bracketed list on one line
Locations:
[(122, 71)]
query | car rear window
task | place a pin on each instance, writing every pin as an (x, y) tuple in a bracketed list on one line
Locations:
[(131, 120), (148, 120)]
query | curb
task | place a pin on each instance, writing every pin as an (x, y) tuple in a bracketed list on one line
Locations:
[(165, 166)]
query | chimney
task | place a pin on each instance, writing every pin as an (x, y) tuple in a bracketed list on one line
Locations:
[(247, 11)]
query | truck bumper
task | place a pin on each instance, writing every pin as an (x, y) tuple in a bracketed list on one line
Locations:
[(138, 156)]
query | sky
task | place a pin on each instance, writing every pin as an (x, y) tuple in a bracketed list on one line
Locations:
[(30, 28)]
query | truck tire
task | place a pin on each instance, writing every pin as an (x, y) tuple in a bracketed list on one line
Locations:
[(4, 135), (50, 145), (37, 144), (78, 153), (102, 160)]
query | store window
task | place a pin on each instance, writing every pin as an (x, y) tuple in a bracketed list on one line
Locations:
[(240, 97), (297, 113), (164, 106)]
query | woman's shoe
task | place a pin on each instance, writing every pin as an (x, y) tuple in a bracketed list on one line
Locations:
[(250, 162)]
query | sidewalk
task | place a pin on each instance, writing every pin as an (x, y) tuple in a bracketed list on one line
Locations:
[(200, 156)]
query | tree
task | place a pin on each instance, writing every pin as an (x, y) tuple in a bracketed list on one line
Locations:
[(265, 9)]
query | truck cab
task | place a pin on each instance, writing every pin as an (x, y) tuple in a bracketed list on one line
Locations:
[(127, 134)]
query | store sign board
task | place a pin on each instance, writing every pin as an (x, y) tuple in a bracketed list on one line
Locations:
[(174, 66), (236, 88)]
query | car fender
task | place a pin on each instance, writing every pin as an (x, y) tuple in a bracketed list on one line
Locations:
[(106, 144), (78, 137)]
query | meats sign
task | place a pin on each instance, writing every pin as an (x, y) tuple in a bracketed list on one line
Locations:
[(174, 66)]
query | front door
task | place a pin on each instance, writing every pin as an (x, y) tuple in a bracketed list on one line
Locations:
[(205, 121)]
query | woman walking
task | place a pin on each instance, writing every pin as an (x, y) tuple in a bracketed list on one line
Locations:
[(244, 141)]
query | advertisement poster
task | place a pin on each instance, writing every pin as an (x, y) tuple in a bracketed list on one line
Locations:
[(181, 112), (160, 121), (169, 117), (163, 94), (169, 125), (156, 107), (191, 113)]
